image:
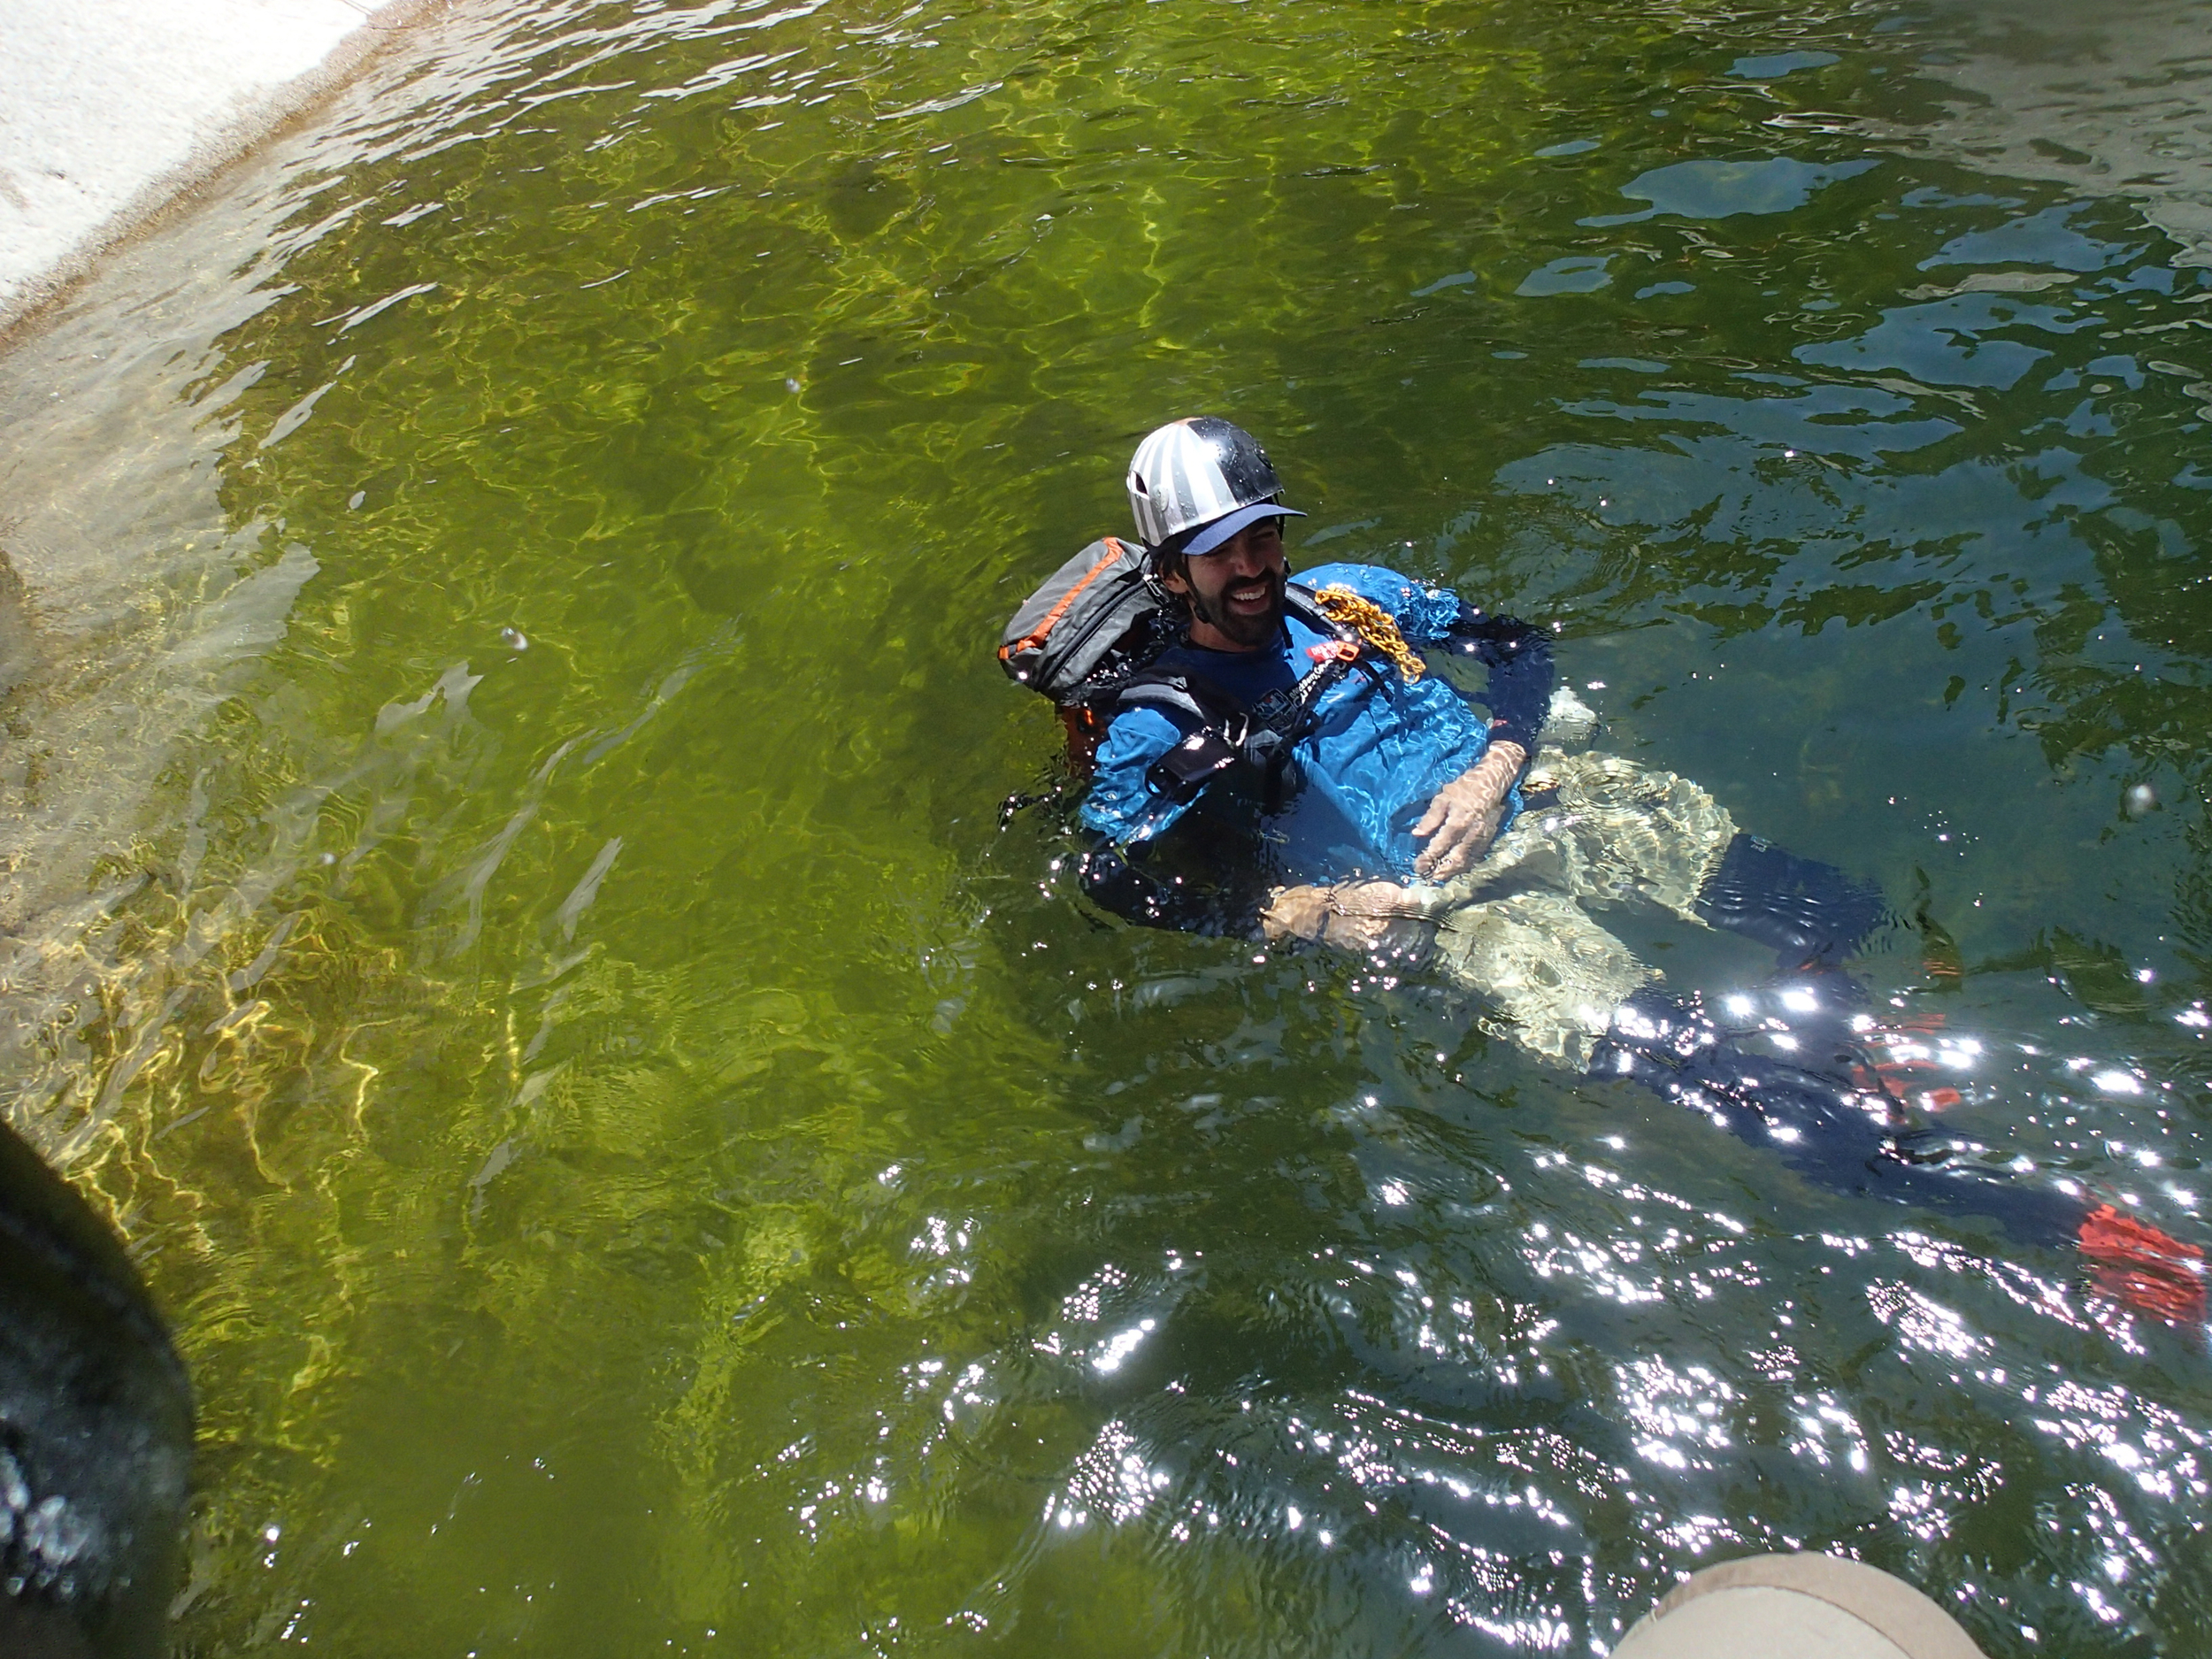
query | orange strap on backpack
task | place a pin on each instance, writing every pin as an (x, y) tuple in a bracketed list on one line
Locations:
[(1039, 634)]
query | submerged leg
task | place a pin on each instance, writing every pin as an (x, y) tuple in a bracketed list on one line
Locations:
[(1847, 1138), (1604, 831), (1805, 912), (1611, 831)]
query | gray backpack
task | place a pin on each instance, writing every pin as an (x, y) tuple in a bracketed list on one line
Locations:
[(1086, 639), (1090, 614)]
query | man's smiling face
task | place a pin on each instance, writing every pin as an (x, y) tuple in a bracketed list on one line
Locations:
[(1236, 591)]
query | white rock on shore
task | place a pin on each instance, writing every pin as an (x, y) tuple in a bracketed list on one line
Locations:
[(109, 107)]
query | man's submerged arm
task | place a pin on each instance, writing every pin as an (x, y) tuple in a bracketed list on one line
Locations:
[(1115, 880), (1518, 657)]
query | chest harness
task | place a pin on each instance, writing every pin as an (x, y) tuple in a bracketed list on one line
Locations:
[(1231, 733)]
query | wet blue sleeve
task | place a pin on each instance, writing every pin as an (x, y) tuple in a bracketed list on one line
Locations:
[(1127, 815), (1122, 805)]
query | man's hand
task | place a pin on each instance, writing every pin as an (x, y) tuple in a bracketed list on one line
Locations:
[(1296, 913), (1464, 817), (1375, 918)]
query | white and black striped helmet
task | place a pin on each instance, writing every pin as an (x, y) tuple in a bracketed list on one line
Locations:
[(1194, 483)]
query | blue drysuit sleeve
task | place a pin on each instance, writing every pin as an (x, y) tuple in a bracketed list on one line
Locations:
[(1126, 814), (1122, 805)]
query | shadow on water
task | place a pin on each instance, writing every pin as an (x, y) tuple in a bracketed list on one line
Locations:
[(506, 907)]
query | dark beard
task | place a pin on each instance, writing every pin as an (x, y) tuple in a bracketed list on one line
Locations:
[(1252, 633)]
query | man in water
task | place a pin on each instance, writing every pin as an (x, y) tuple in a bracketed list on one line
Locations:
[(1291, 767)]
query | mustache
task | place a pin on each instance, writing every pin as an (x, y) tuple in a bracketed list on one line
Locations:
[(1275, 582), (1245, 630)]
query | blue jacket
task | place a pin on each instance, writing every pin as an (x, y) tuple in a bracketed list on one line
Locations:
[(1375, 752)]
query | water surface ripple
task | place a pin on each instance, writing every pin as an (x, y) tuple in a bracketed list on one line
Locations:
[(508, 907)]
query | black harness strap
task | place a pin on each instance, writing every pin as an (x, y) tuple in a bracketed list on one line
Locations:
[(1226, 731)]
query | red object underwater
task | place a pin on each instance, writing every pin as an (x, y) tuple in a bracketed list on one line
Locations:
[(2143, 1268)]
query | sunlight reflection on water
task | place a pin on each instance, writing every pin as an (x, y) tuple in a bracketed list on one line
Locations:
[(503, 897)]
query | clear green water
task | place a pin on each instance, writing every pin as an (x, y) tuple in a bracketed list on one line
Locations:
[(639, 1161)]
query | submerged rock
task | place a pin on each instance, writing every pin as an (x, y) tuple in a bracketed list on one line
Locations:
[(96, 1430)]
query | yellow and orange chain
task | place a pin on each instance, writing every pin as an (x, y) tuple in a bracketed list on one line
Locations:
[(1373, 625)]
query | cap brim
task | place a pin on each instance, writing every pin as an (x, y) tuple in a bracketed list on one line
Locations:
[(1207, 537)]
